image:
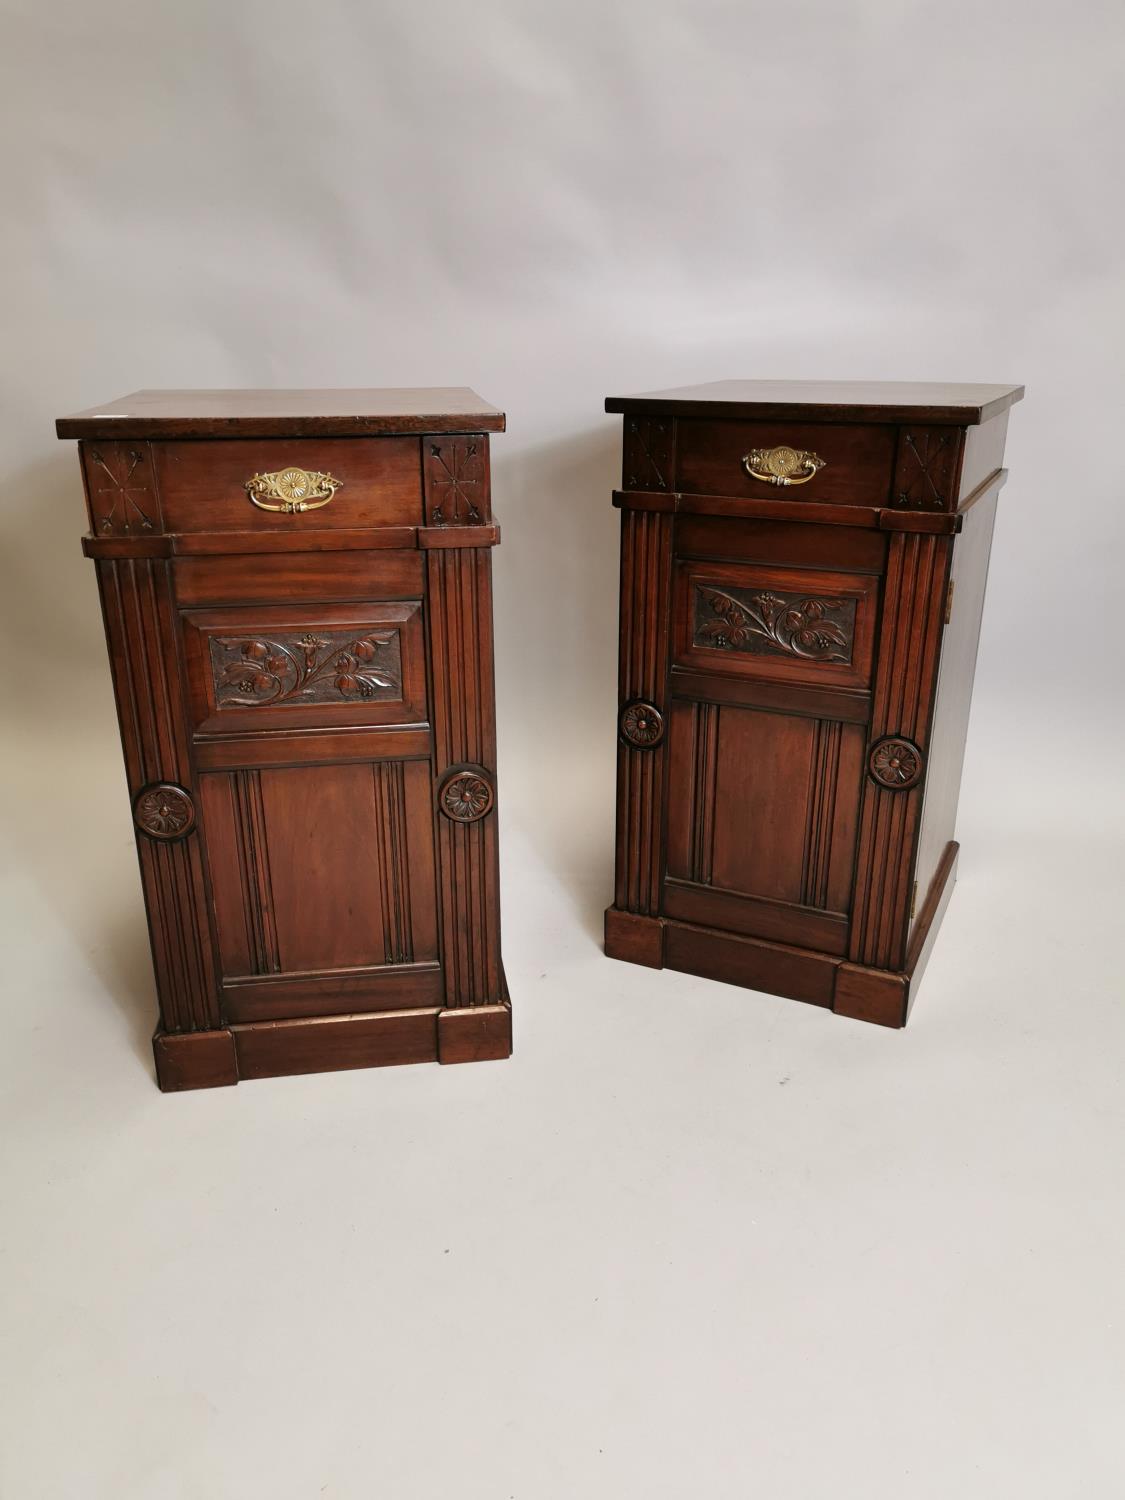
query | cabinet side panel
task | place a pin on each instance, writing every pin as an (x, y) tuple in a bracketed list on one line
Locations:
[(459, 611), (905, 680), (141, 633), (646, 558), (984, 453), (961, 638)]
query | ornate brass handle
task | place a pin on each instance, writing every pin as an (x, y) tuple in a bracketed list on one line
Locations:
[(293, 489), (782, 465)]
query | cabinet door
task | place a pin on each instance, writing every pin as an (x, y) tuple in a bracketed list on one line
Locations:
[(323, 884), (313, 755), (762, 815)]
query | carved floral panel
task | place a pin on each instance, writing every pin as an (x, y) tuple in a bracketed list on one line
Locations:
[(771, 623), (317, 666)]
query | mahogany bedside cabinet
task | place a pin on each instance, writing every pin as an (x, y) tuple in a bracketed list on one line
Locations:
[(296, 588), (802, 579)]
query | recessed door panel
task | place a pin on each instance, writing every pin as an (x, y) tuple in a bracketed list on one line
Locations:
[(323, 884), (762, 822)]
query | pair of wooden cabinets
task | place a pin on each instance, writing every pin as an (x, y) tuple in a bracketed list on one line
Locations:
[(297, 598)]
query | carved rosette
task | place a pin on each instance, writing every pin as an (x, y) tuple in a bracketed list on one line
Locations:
[(641, 725), (467, 795), (895, 763), (164, 811)]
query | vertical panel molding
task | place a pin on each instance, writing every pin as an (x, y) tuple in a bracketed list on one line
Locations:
[(705, 761), (905, 682), (254, 869), (394, 862), (824, 771), (646, 572), (141, 631), (459, 597)]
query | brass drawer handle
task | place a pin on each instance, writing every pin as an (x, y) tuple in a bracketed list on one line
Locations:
[(781, 465), (294, 489)]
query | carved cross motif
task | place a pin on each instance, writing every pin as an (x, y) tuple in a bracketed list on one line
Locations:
[(924, 471), (122, 493), (648, 453), (454, 472)]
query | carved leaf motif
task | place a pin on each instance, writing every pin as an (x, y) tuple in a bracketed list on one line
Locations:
[(785, 624), (253, 671)]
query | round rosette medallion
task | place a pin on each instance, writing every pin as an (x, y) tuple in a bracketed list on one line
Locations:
[(642, 725), (895, 763), (164, 811), (466, 795)]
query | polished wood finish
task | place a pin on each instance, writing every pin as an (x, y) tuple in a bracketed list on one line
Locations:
[(202, 486), (824, 401), (795, 679), (308, 723), (858, 460), (285, 414)]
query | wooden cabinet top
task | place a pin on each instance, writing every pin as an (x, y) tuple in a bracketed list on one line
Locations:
[(828, 400), (265, 413)]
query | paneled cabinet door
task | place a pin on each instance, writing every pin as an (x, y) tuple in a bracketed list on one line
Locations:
[(317, 805), (762, 824), (323, 886)]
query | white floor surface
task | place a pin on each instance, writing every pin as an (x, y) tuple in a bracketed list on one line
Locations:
[(689, 1241)]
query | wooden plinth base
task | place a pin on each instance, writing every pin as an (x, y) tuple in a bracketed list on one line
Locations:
[(324, 1044), (877, 995)]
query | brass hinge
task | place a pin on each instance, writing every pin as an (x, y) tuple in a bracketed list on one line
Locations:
[(913, 900), (949, 602)]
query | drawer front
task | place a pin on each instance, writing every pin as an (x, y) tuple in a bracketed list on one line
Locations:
[(369, 481), (856, 462), (259, 667), (794, 625)]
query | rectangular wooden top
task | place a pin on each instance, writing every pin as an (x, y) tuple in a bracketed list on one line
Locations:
[(828, 400), (263, 413)]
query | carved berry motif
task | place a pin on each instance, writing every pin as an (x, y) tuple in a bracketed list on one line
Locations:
[(642, 725), (164, 811), (322, 666), (774, 624), (466, 796), (895, 763)]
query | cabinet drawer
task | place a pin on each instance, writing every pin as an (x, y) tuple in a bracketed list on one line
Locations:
[(790, 624), (202, 485), (305, 666), (857, 461)]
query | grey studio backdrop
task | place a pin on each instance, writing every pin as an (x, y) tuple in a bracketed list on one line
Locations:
[(552, 203)]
